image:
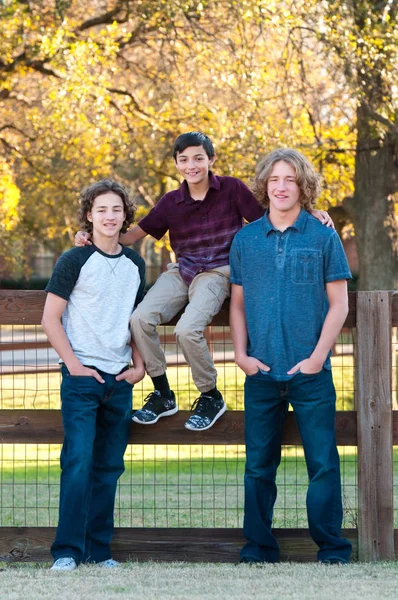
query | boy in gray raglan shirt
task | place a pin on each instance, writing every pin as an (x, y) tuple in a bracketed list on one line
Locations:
[(91, 296)]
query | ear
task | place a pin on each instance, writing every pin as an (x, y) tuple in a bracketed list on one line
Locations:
[(89, 217), (213, 160)]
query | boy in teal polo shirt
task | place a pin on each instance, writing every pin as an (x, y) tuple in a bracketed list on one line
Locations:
[(283, 326)]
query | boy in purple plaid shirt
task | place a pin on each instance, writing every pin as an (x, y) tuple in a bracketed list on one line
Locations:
[(202, 217)]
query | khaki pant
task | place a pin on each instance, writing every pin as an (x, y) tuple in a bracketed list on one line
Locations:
[(203, 299)]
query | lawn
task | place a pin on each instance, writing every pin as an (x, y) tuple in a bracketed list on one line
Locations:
[(180, 581), (164, 485), (41, 390)]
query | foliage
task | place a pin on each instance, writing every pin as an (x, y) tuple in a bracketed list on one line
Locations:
[(95, 89)]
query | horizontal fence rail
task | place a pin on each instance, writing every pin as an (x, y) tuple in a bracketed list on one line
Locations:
[(372, 427)]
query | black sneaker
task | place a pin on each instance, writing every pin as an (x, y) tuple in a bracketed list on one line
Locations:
[(156, 406), (206, 411)]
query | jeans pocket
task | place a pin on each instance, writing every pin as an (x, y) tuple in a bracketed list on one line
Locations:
[(308, 375)]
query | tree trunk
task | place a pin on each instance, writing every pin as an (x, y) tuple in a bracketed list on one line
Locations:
[(372, 206)]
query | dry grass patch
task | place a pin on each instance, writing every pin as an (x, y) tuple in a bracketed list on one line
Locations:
[(183, 581)]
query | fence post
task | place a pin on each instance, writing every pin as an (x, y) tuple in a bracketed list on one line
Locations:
[(375, 438)]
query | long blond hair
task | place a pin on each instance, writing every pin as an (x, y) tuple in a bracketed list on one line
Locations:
[(308, 180)]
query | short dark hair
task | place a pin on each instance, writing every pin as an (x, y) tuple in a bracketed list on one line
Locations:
[(193, 138), (90, 193)]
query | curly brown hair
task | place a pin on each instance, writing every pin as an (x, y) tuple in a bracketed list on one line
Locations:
[(308, 180), (90, 193)]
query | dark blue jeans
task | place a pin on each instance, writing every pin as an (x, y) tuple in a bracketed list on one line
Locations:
[(313, 399), (97, 420)]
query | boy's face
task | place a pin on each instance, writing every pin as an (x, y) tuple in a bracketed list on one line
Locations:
[(194, 164), (282, 188), (107, 215)]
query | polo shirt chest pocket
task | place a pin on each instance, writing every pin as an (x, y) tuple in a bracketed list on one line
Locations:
[(306, 265)]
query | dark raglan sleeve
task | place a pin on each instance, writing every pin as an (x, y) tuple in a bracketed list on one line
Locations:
[(141, 269), (67, 270)]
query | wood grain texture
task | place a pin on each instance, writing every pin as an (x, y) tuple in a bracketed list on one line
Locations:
[(375, 426), (32, 544), (45, 426), (25, 307)]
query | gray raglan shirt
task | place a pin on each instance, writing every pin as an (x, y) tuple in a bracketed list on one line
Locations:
[(102, 291)]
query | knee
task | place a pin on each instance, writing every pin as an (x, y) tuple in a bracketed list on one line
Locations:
[(185, 333), (261, 467), (77, 464), (262, 472)]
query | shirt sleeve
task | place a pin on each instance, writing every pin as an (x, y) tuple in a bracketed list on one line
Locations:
[(235, 263), (247, 204), (140, 293), (156, 222), (335, 261), (65, 275)]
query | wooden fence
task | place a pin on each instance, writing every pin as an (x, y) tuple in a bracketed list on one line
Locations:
[(372, 427)]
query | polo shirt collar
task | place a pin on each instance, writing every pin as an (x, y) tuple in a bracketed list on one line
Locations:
[(183, 191), (298, 225)]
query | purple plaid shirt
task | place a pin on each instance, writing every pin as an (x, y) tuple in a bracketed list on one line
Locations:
[(201, 231)]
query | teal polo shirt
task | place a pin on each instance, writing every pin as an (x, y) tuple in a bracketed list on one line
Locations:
[(284, 276)]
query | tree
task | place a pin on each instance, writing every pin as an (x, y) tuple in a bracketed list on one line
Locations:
[(92, 89), (358, 43)]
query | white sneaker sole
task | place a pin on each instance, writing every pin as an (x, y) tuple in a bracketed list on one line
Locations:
[(220, 414), (168, 413)]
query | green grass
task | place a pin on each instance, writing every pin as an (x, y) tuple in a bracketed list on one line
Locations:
[(193, 486), (41, 390), (158, 490)]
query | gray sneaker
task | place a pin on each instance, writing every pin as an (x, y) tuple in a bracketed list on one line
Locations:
[(206, 411), (66, 563), (108, 564), (155, 407)]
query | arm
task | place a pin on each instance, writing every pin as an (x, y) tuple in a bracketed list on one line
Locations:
[(337, 313), (83, 238), (237, 321), (132, 235), (52, 325), (137, 371), (324, 217)]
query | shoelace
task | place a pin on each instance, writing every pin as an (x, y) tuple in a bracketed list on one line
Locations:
[(200, 404), (153, 401)]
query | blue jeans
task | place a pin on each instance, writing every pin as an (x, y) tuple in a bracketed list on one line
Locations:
[(313, 399), (96, 419)]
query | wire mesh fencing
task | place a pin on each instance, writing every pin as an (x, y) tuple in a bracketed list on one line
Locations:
[(164, 485)]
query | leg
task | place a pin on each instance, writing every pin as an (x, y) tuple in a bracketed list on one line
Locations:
[(80, 400), (265, 411), (207, 293), (113, 430), (163, 301), (314, 401)]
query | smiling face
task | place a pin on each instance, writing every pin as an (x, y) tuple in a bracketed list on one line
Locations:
[(194, 164), (107, 216), (282, 188)]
